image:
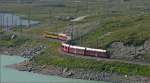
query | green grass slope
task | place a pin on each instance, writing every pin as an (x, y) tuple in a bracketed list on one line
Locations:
[(131, 30), (127, 27)]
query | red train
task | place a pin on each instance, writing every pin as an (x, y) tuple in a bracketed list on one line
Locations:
[(85, 51)]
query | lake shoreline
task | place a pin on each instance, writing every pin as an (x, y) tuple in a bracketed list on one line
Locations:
[(84, 74), (14, 76), (78, 73)]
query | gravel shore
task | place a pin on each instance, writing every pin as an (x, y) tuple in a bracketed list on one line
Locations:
[(30, 66)]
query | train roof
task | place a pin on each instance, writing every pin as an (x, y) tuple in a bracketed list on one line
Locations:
[(78, 47), (92, 49), (50, 33), (62, 34)]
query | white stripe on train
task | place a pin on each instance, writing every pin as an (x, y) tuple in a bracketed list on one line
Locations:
[(79, 47)]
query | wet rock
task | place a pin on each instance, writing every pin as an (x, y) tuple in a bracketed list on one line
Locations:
[(22, 68), (30, 69)]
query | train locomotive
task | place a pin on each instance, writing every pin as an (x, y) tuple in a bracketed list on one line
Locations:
[(78, 50)]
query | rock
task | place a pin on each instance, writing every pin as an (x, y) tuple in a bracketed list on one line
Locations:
[(30, 69), (70, 74), (126, 76), (38, 52), (22, 68), (13, 36), (69, 18), (6, 52), (64, 18), (65, 70), (44, 66)]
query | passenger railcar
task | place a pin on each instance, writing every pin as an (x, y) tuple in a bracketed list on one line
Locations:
[(97, 53), (85, 51)]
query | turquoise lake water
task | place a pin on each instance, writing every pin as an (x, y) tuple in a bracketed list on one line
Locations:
[(8, 75)]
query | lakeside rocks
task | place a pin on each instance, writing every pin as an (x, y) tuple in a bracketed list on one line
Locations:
[(30, 66), (26, 52), (30, 52)]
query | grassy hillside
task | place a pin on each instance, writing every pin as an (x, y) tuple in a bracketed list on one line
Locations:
[(131, 30), (52, 56), (6, 40), (126, 22)]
